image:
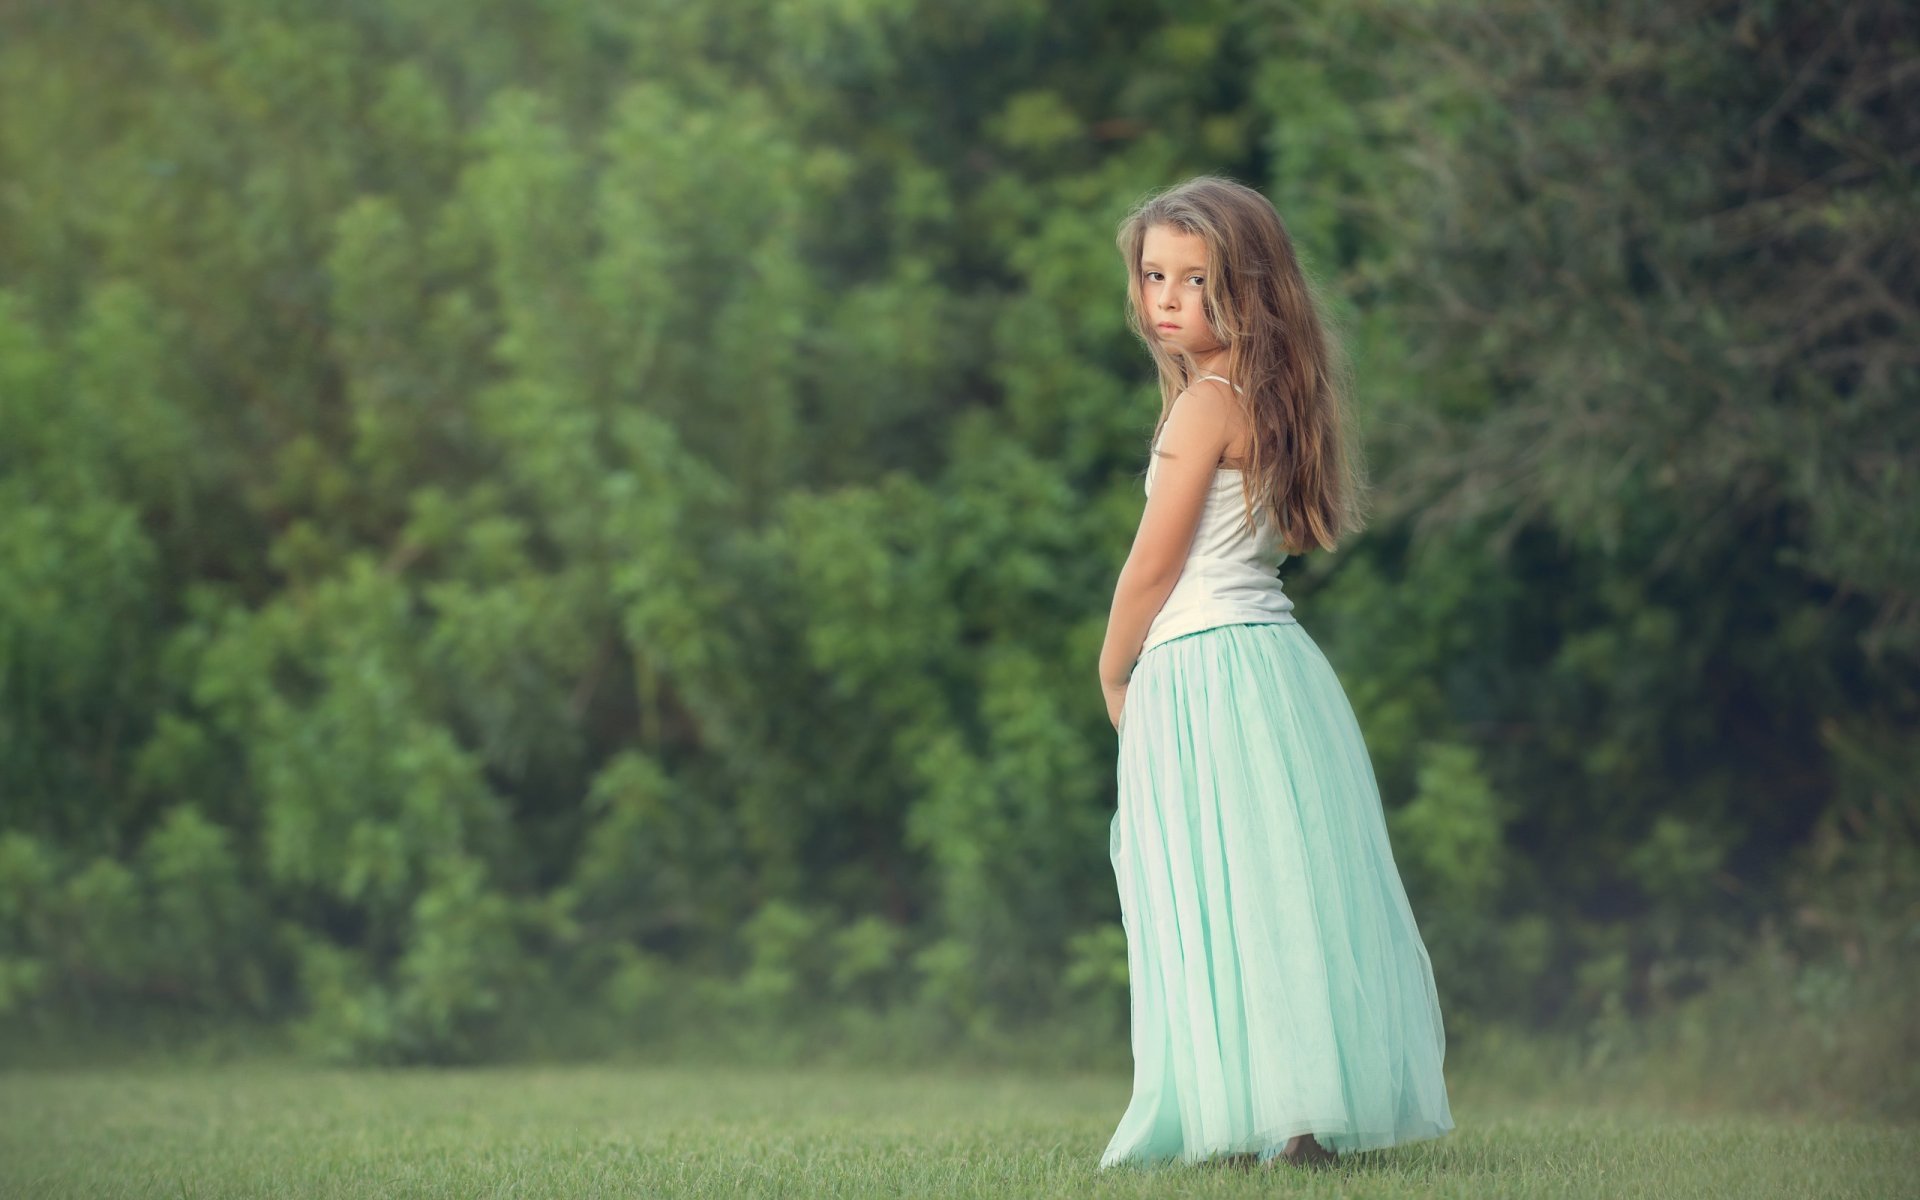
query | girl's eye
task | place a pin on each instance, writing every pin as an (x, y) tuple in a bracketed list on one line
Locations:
[(1201, 278)]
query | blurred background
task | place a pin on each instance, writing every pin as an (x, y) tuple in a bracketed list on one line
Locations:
[(585, 528)]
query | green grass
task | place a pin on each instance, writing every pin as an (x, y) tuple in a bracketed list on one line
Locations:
[(689, 1131)]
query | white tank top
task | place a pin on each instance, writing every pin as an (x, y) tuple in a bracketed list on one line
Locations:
[(1231, 576)]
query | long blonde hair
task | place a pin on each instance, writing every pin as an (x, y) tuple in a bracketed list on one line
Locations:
[(1305, 467)]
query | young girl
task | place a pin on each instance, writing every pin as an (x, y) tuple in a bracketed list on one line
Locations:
[(1283, 1003)]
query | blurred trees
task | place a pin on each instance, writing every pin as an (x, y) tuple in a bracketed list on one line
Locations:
[(1649, 273), (612, 509)]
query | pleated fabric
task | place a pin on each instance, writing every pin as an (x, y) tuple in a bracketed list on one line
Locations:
[(1279, 984)]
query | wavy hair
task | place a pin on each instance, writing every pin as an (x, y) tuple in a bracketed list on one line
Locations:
[(1305, 467)]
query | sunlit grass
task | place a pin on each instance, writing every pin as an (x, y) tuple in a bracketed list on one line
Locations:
[(658, 1131)]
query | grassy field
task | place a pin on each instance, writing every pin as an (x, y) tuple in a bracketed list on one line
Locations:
[(655, 1131)]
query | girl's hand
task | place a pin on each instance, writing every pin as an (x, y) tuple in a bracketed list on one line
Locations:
[(1116, 696)]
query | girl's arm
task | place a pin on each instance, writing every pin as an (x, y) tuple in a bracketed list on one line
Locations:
[(1196, 434)]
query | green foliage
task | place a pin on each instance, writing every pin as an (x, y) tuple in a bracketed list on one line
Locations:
[(1817, 1012), (865, 961), (611, 511), (202, 931), (173, 928)]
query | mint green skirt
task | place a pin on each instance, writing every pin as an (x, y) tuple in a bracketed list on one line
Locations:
[(1278, 982)]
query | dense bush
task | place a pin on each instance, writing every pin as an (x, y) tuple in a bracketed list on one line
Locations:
[(525, 531)]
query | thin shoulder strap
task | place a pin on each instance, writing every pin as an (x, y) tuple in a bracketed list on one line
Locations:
[(1223, 379)]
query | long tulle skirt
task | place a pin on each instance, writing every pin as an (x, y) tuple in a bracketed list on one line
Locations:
[(1278, 982)]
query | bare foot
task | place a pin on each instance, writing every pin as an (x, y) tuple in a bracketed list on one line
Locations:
[(1306, 1151)]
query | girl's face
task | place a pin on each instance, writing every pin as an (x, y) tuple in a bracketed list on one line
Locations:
[(1173, 271)]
